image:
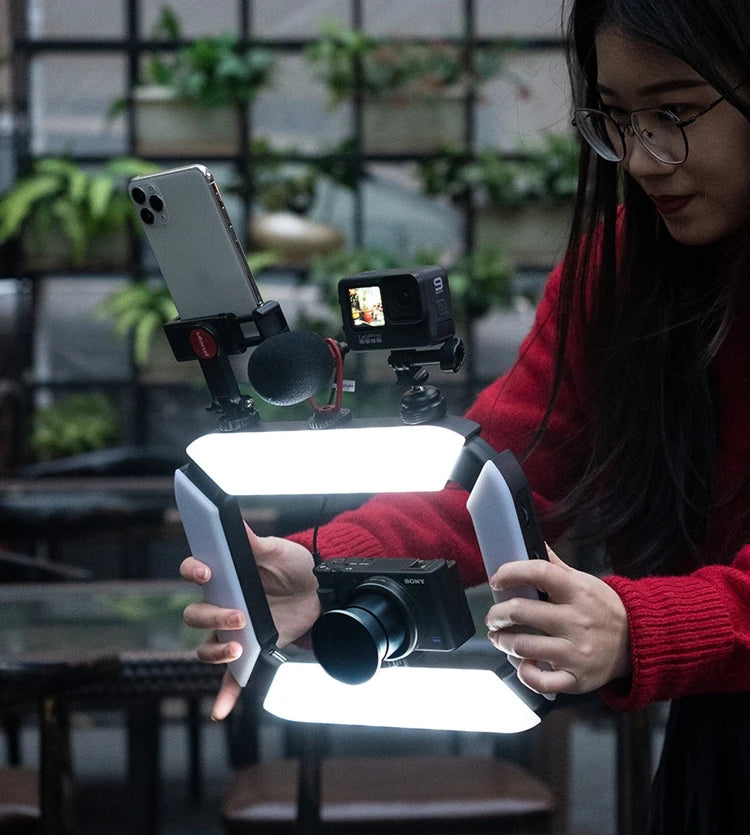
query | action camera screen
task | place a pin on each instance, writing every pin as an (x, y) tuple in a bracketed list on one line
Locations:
[(366, 307)]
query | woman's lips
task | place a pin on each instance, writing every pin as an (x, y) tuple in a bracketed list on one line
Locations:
[(667, 204)]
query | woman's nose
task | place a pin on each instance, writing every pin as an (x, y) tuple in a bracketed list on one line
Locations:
[(640, 162)]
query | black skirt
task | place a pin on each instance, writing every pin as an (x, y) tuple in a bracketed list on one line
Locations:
[(702, 785)]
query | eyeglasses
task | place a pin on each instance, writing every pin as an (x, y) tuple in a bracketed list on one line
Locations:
[(660, 132)]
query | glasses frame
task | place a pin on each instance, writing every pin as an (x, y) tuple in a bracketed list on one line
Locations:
[(632, 127)]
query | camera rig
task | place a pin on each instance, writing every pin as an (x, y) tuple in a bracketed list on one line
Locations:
[(394, 606), (408, 311)]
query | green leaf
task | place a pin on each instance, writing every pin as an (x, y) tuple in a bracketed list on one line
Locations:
[(143, 333), (61, 167), (167, 26), (101, 189), (74, 229), (77, 186), (21, 201), (139, 309)]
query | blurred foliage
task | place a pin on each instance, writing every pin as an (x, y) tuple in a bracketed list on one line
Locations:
[(210, 71), (547, 172), (349, 60), (279, 184), (85, 205), (480, 281), (74, 424)]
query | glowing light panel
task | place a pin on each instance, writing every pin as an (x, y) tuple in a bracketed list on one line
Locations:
[(400, 697), (380, 459)]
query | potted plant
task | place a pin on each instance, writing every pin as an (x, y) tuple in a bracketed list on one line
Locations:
[(412, 92), (67, 216), (523, 202), (77, 423), (284, 193), (192, 102)]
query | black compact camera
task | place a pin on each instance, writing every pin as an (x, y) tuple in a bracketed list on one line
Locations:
[(382, 609), (396, 308)]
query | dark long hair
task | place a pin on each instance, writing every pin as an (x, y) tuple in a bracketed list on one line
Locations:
[(655, 312)]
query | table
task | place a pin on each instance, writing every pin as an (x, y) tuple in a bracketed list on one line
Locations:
[(131, 638), (36, 514)]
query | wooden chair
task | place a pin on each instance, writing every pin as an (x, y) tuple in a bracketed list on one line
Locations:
[(20, 807), (438, 792), (41, 800), (393, 794)]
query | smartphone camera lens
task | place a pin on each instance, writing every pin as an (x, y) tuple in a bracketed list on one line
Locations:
[(147, 216), (139, 195), (156, 203)]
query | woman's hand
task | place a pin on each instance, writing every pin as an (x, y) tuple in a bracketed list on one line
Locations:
[(286, 570), (581, 630)]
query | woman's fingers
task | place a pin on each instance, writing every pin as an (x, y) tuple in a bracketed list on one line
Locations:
[(212, 651), (542, 679), (226, 698), (194, 571), (202, 615), (522, 612)]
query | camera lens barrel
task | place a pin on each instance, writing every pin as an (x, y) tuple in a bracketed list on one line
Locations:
[(377, 625)]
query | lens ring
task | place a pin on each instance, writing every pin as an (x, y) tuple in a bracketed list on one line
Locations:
[(378, 624), (349, 644), (395, 592)]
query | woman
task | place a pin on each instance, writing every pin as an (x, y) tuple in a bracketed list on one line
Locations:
[(628, 405)]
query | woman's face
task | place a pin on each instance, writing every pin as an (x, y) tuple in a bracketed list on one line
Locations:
[(707, 197)]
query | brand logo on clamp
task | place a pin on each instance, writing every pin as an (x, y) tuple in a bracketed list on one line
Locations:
[(203, 344)]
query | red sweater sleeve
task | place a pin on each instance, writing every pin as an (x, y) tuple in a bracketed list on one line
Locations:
[(688, 634), (437, 525)]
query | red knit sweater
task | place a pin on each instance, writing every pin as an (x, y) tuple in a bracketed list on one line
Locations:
[(689, 634)]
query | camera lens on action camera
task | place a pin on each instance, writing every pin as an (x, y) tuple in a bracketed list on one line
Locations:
[(147, 216), (351, 643), (403, 297)]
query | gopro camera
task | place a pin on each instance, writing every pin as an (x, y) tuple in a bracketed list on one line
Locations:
[(382, 609), (396, 308)]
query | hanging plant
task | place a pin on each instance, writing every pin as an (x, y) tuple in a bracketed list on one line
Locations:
[(209, 71), (349, 60)]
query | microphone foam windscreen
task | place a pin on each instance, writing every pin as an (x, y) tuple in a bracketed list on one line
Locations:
[(290, 367)]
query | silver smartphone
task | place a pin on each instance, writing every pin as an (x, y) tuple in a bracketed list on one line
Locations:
[(199, 255)]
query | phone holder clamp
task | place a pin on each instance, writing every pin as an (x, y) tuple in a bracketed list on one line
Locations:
[(212, 340)]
